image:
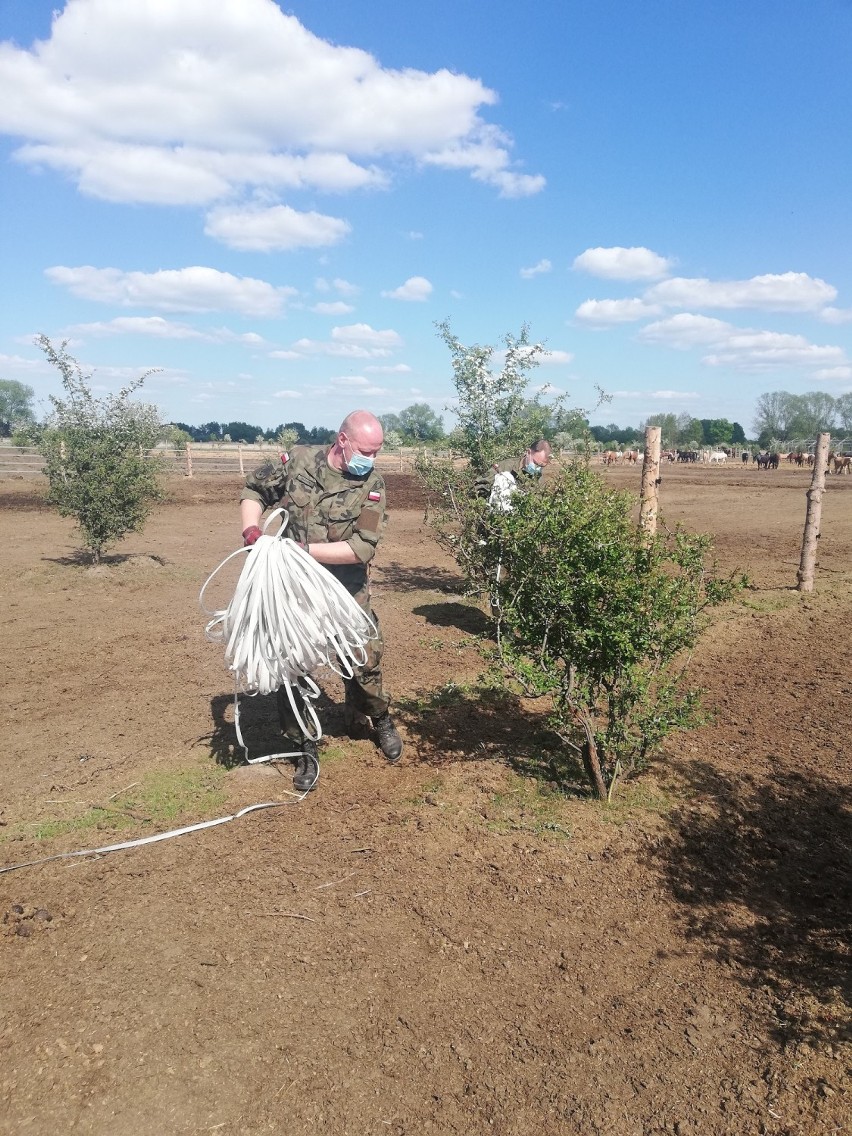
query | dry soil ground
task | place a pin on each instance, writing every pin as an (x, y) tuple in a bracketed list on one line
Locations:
[(440, 947)]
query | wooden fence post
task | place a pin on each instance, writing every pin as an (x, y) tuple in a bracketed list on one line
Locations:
[(188, 459), (240, 452), (813, 515), (648, 499)]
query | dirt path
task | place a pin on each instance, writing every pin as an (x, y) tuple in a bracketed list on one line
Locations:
[(435, 948)]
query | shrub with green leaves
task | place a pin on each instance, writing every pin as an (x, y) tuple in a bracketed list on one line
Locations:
[(589, 616), (96, 453), (599, 620)]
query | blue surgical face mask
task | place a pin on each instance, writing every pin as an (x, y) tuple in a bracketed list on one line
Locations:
[(358, 465), (532, 469)]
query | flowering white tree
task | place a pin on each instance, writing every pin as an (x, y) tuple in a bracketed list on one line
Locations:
[(496, 418)]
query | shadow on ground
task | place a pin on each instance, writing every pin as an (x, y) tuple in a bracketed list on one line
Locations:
[(457, 724), (463, 616), (82, 558), (766, 874), (259, 727), (399, 578)]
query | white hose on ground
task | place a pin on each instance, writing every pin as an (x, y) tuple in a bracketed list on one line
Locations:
[(288, 617)]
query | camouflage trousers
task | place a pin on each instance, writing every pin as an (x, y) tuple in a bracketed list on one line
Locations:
[(364, 692)]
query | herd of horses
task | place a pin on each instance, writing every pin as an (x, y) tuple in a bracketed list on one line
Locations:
[(838, 463)]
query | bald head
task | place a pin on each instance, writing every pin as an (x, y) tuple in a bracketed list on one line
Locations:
[(360, 423), (361, 434)]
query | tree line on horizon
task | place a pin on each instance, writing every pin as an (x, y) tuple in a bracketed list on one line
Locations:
[(780, 416)]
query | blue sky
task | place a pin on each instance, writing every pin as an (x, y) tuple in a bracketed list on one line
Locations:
[(274, 204)]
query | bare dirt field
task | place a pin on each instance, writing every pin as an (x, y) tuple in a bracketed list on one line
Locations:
[(447, 946)]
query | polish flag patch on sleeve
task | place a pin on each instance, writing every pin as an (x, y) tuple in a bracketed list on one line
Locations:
[(285, 458), (374, 496)]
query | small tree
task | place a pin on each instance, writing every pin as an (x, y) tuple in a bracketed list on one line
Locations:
[(588, 614), (286, 438), (597, 620), (496, 419), (95, 449), (175, 436)]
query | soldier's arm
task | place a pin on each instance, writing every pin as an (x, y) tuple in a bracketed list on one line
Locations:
[(340, 552), (251, 511), (264, 487), (360, 547)]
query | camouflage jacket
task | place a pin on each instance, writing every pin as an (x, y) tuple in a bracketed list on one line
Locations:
[(325, 505), (483, 485)]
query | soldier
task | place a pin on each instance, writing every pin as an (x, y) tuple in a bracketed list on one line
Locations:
[(336, 502), (506, 477), (501, 483)]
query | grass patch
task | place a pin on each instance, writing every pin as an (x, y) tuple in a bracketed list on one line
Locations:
[(453, 694), (158, 801), (432, 643), (529, 806), (431, 787), (632, 797), (768, 603), (329, 754)]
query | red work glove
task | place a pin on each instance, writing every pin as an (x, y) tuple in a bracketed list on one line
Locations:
[(251, 534)]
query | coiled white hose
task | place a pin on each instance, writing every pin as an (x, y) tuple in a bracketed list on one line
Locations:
[(288, 617)]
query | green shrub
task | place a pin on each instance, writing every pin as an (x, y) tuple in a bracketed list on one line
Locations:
[(598, 619), (96, 453)]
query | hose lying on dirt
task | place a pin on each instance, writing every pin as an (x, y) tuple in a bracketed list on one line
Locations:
[(288, 617)]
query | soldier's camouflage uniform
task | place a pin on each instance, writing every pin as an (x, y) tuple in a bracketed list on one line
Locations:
[(327, 505), (483, 485)]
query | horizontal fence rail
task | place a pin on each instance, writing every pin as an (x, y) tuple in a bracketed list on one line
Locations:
[(200, 459), (204, 459)]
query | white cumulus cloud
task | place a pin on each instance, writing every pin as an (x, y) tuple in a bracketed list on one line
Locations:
[(601, 313), (193, 102), (332, 308), (782, 292), (357, 384), (278, 228), (555, 358), (416, 289), (155, 327), (686, 330), (766, 350), (194, 289), (623, 263), (833, 374), (836, 315), (355, 341), (339, 285), (742, 349), (536, 270)]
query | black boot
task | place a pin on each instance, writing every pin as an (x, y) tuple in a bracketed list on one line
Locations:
[(390, 742), (307, 767)]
